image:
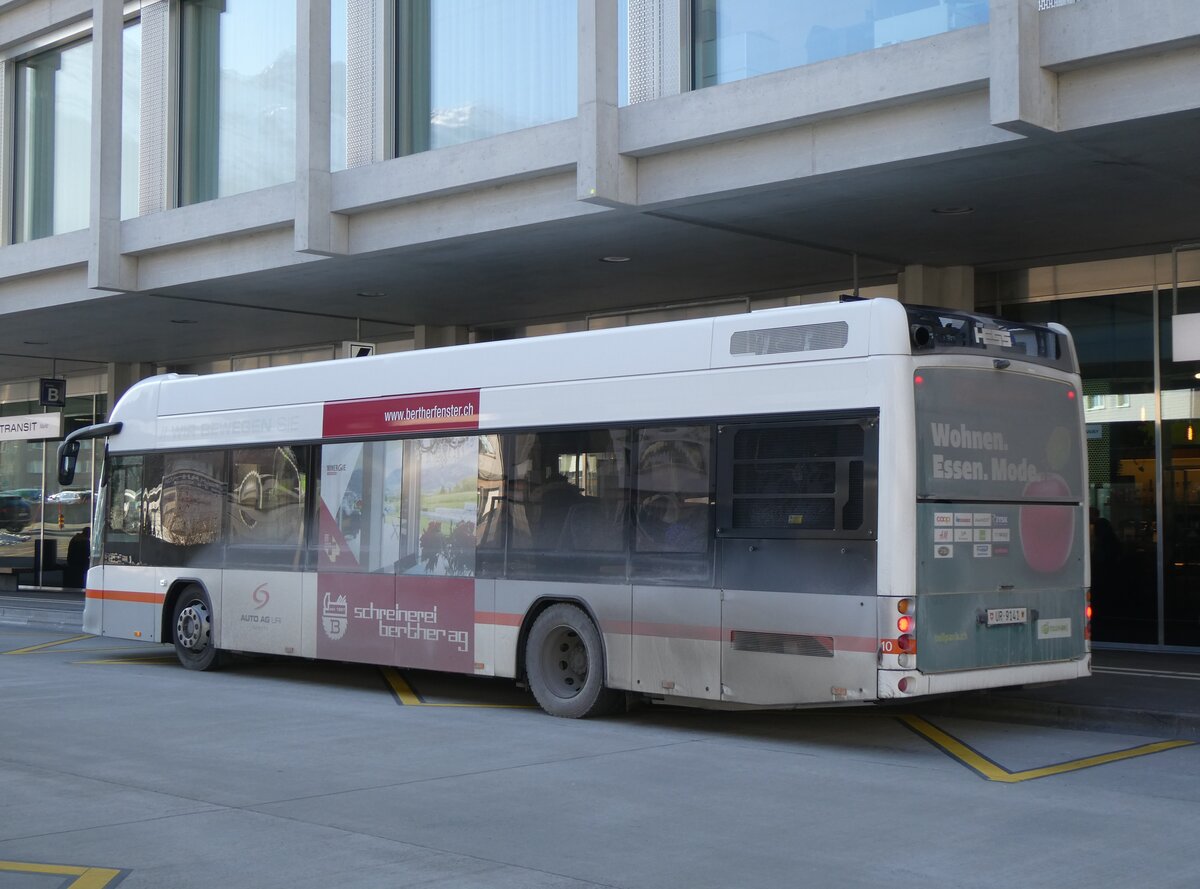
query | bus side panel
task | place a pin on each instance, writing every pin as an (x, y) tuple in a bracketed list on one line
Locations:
[(676, 638), (262, 611), (485, 627), (93, 604), (609, 604), (797, 648), (125, 603), (421, 621)]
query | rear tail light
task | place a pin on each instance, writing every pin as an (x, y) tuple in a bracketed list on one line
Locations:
[(1087, 618), (906, 623), (904, 684)]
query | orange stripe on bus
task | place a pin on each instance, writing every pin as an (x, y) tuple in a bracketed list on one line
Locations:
[(125, 596)]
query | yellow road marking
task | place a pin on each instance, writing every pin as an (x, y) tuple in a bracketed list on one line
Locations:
[(85, 877), (406, 696), (33, 648), (993, 771)]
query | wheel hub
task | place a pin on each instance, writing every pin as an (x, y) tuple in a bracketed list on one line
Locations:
[(566, 662), (192, 628)]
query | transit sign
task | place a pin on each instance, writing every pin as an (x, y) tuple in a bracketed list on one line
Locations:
[(31, 427)]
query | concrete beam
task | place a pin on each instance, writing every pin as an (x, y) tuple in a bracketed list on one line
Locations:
[(317, 230), (603, 175), (1024, 95)]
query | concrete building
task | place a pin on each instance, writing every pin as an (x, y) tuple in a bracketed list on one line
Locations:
[(204, 185)]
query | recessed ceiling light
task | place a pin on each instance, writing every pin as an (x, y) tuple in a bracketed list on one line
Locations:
[(369, 294), (953, 211), (614, 259), (36, 342), (182, 321)]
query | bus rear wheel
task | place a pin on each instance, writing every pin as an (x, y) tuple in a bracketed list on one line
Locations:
[(193, 630), (564, 661)]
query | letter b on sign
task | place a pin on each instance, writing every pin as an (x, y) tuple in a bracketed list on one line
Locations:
[(54, 393)]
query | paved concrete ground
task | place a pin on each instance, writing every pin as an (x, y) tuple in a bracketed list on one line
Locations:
[(1129, 691), (281, 773)]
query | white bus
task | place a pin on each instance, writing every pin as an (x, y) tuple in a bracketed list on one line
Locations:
[(851, 501)]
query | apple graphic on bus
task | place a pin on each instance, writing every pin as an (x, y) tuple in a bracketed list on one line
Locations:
[(1047, 531)]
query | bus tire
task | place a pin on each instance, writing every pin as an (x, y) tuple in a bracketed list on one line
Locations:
[(193, 630), (564, 663)]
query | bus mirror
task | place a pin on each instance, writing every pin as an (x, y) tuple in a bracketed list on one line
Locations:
[(68, 455)]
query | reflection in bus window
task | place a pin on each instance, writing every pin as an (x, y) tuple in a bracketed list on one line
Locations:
[(185, 505), (673, 489), (266, 505)]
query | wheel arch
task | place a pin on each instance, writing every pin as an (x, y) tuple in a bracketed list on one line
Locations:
[(167, 627)]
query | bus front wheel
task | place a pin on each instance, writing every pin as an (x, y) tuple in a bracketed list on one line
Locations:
[(193, 630), (564, 661)]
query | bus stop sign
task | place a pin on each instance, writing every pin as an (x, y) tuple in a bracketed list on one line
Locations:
[(54, 393)]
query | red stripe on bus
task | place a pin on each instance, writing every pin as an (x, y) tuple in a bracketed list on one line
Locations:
[(126, 596), (497, 618)]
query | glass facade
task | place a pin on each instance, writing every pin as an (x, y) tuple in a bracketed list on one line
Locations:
[(1145, 519), (38, 517), (52, 150), (736, 39), (338, 36), (237, 117), (469, 69)]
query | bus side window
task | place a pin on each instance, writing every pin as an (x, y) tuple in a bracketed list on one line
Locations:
[(569, 504), (185, 499), (122, 542), (265, 507), (673, 512)]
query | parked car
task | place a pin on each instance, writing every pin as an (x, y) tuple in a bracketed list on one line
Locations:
[(14, 512)]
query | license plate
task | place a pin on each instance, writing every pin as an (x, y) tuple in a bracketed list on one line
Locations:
[(998, 617)]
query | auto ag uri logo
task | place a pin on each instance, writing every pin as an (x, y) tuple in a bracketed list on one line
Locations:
[(261, 596)]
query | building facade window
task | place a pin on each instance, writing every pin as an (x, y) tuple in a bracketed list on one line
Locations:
[(736, 39), (469, 69), (237, 102), (131, 117), (52, 150)]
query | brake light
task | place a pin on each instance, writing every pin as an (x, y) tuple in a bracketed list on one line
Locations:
[(907, 643), (904, 624), (1087, 617)]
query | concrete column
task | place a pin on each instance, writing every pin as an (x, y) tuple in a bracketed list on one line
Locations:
[(122, 376), (1023, 95), (317, 229), (949, 288), (107, 268), (431, 336), (602, 175)]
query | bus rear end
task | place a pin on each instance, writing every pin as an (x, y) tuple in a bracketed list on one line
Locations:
[(1000, 513)]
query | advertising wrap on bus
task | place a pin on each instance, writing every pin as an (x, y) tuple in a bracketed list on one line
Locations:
[(1000, 518)]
